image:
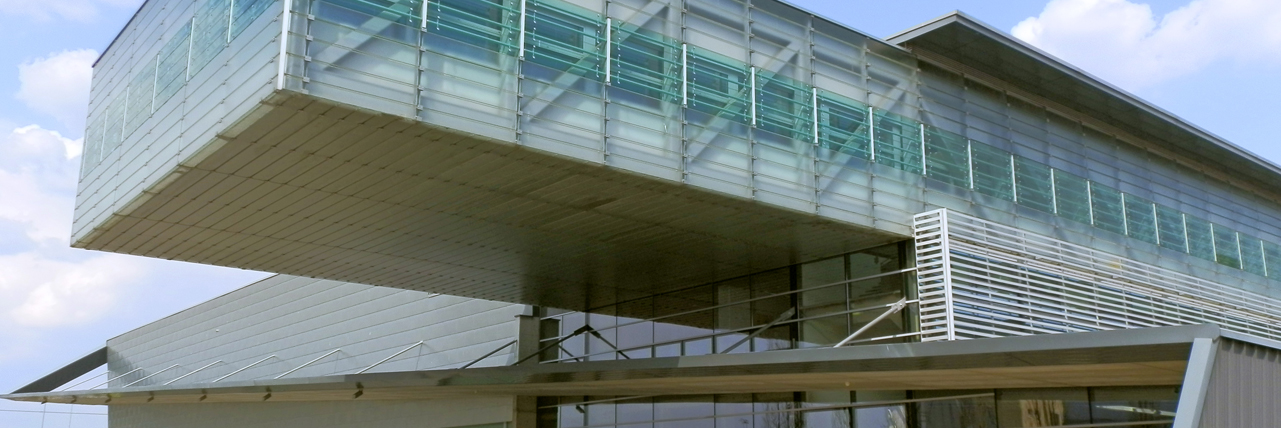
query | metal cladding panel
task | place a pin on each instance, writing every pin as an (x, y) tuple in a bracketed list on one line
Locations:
[(299, 319), (166, 112), (1244, 387), (478, 412)]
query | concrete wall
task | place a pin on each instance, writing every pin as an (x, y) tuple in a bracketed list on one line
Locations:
[(480, 412), (299, 319)]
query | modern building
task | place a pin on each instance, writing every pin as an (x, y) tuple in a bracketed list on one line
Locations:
[(663, 214)]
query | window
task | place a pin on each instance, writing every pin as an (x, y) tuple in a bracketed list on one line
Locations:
[(1107, 210), (783, 107), (1169, 224), (1072, 197), (487, 24), (1226, 248), (717, 88), (563, 41), (1033, 182), (992, 171), (842, 125), (1140, 218), (947, 157), (647, 64), (1200, 238), (898, 141)]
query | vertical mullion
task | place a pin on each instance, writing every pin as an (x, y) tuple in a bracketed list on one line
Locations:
[(969, 156), (1125, 216), (1156, 226), (155, 83), (191, 49), (753, 94), (684, 75), (1240, 254), (1054, 193), (609, 46), (1263, 254), (923, 167), (422, 17), (520, 43), (1089, 199), (1014, 180), (231, 19), (871, 134)]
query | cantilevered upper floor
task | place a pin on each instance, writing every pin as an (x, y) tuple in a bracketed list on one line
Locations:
[(541, 151)]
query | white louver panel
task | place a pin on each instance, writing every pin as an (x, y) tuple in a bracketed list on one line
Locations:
[(981, 279)]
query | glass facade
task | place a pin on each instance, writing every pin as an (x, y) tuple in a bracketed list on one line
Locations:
[(1144, 406), (814, 304)]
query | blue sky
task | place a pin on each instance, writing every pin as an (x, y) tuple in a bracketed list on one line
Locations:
[(1212, 62)]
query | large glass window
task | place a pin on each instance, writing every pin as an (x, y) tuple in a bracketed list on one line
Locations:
[(718, 88), (563, 41), (814, 304), (783, 107), (1200, 237), (1251, 254), (1226, 249), (647, 64), (487, 24)]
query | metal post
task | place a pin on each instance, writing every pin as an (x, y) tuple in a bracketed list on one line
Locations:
[(684, 75), (946, 254), (231, 22), (191, 48), (482, 357), (924, 171), (243, 368), (1014, 180), (390, 357), (1214, 244), (814, 116), (520, 42), (969, 156), (155, 85), (149, 376), (285, 18), (581, 330), (1240, 254), (117, 377), (609, 47), (753, 94), (1125, 217), (1089, 199), (193, 372), (871, 134), (308, 363), (422, 19), (1054, 194), (1156, 226), (894, 308), (1262, 254), (785, 315)]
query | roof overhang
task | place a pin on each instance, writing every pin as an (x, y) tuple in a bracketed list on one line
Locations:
[(961, 39), (1155, 356)]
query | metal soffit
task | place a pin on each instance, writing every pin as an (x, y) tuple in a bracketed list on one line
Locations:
[(1121, 357), (960, 38)]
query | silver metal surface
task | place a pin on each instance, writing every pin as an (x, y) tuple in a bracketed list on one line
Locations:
[(389, 357), (150, 375), (1012, 282), (1196, 382), (308, 363), (194, 372), (243, 368)]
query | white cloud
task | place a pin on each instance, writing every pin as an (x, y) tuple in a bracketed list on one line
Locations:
[(78, 10), (38, 174), (58, 85), (41, 292), (1127, 44)]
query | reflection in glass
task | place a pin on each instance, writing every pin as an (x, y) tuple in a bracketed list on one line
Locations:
[(1019, 408)]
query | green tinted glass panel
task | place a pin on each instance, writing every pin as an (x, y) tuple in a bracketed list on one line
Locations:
[(403, 12), (1140, 219), (1108, 212), (562, 38), (489, 24), (1033, 185), (898, 141), (647, 64), (1072, 197), (1226, 250), (842, 125), (947, 157), (141, 91), (210, 33), (246, 11), (1272, 259), (717, 86), (173, 65), (1251, 254), (92, 144), (783, 107), (114, 135), (992, 171), (1169, 226), (1200, 239)]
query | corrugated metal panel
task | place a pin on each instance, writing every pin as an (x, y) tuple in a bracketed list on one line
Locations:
[(336, 414), (1245, 387), (300, 319)]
